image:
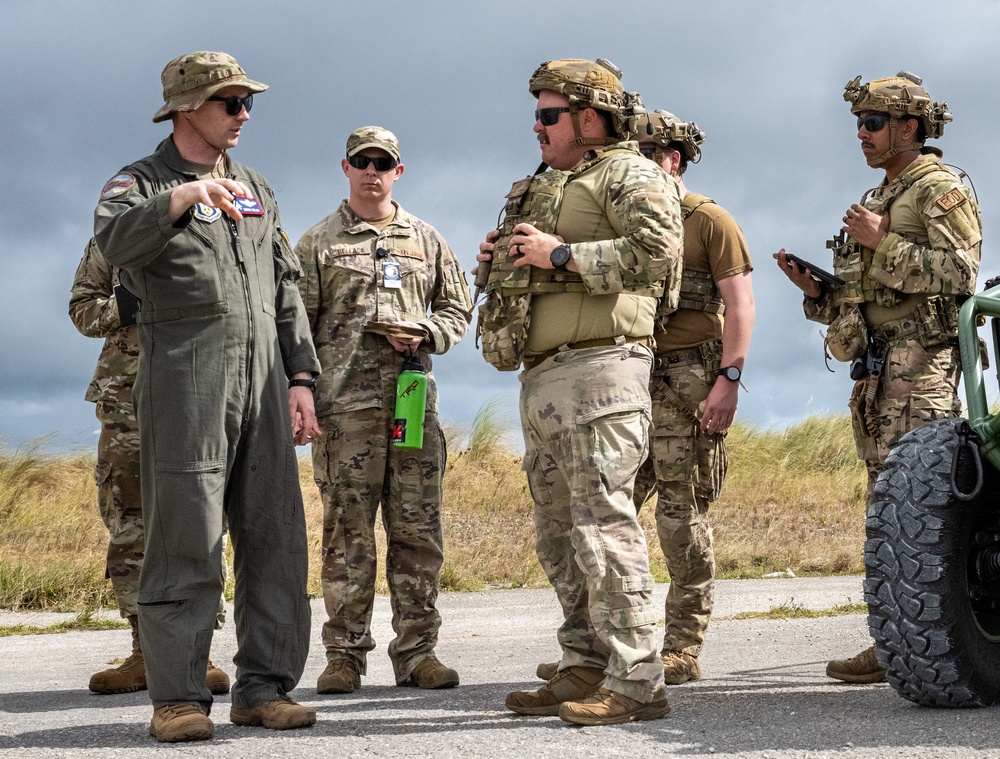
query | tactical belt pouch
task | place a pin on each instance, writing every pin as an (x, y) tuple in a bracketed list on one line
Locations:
[(847, 335)]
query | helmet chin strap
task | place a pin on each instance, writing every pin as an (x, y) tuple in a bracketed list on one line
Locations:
[(894, 149), (574, 114)]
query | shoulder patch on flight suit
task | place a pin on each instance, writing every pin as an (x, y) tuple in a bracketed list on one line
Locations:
[(950, 199), (119, 184)]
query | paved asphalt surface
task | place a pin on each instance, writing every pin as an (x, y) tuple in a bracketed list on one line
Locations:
[(763, 693)]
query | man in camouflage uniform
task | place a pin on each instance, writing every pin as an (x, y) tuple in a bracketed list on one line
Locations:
[(379, 285), (585, 407), (910, 258), (222, 395), (699, 361), (94, 311)]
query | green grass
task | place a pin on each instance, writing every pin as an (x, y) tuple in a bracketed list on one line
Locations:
[(84, 621), (792, 610)]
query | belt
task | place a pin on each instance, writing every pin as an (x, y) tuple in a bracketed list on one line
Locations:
[(685, 356), (530, 362), (901, 329)]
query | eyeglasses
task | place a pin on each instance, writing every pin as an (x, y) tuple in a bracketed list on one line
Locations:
[(381, 163), (873, 122), (549, 116), (234, 104), (649, 152)]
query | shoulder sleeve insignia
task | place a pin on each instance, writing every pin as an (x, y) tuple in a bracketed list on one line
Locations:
[(950, 199), (119, 184)]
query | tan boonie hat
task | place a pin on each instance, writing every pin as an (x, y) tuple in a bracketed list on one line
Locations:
[(373, 137), (189, 80)]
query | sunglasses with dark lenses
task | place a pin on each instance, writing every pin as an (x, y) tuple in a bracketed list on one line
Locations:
[(381, 163), (549, 116), (873, 122), (235, 104), (649, 153)]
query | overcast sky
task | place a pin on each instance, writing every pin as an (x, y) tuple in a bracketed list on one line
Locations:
[(81, 82)]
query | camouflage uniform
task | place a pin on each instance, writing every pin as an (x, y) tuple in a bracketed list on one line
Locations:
[(686, 466), (93, 310), (585, 412), (355, 465), (906, 292)]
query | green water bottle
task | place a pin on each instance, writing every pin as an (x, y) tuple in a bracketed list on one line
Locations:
[(411, 405)]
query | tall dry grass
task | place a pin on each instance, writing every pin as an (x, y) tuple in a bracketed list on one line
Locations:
[(793, 499)]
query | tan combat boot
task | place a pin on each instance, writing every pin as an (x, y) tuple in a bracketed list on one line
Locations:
[(862, 668), (216, 680), (279, 714), (180, 722), (128, 676), (430, 674), (340, 676), (570, 684), (609, 708), (547, 670), (679, 667)]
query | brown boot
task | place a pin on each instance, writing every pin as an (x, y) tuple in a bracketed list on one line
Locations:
[(431, 674), (609, 708), (180, 722), (279, 714), (679, 667), (216, 680), (862, 668), (340, 676), (547, 670), (570, 684), (128, 676)]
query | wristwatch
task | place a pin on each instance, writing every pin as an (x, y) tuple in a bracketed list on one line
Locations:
[(559, 256), (731, 373), (310, 383)]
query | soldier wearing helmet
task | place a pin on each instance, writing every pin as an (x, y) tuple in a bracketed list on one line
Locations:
[(601, 247), (910, 256), (222, 395), (700, 355)]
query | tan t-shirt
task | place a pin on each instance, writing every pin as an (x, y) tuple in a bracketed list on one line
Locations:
[(714, 243)]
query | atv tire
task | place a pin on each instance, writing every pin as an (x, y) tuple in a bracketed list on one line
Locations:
[(932, 563)]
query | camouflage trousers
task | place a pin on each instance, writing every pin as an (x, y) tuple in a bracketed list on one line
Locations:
[(917, 386), (686, 468), (119, 497), (585, 419), (357, 469)]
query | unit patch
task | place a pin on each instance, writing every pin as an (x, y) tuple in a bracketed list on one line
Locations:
[(119, 184), (248, 206), (206, 213), (950, 199)]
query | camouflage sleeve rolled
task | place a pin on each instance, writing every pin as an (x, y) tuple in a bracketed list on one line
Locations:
[(451, 305), (644, 204), (92, 306), (949, 262)]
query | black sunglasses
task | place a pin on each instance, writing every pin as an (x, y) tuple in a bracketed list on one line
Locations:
[(649, 153), (235, 104), (549, 116), (381, 163), (873, 122)]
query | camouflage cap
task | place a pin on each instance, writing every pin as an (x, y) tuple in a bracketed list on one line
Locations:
[(663, 128), (899, 96), (372, 137), (190, 79)]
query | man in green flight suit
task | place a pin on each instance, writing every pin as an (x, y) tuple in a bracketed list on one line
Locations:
[(223, 393)]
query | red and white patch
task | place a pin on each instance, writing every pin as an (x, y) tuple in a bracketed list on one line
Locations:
[(119, 184), (248, 206)]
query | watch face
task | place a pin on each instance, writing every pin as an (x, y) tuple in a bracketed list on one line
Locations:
[(731, 373), (560, 255)]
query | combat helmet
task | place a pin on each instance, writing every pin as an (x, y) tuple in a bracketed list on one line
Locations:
[(663, 128), (900, 96), (590, 84)]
